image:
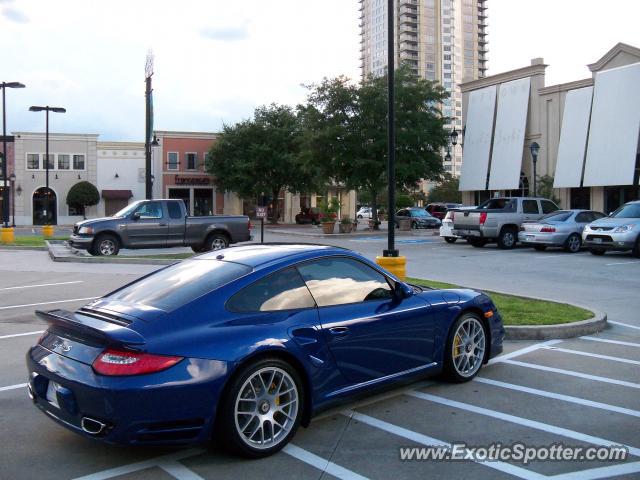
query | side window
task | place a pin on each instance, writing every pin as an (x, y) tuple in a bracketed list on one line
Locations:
[(529, 206), (338, 281), (150, 210), (283, 290), (174, 210), (584, 217), (548, 207)]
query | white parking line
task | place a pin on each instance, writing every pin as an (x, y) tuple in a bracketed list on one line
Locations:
[(522, 351), (624, 325), (571, 373), (42, 285), (600, 472), (47, 303), (594, 355), (559, 396), (21, 334), (13, 387), (525, 422), (614, 342), (430, 441), (321, 464), (620, 263)]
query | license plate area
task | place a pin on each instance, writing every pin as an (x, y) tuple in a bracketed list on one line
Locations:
[(597, 240), (52, 394)]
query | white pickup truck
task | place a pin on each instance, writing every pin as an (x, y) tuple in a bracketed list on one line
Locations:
[(499, 219)]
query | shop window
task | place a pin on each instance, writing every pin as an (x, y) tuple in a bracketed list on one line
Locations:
[(78, 162)]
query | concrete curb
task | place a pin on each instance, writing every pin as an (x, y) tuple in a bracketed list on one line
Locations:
[(348, 235), (116, 260)]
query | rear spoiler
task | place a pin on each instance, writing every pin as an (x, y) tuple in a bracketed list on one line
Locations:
[(92, 327)]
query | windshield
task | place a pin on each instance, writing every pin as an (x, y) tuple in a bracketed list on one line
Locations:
[(557, 216), (127, 210), (180, 284), (420, 213), (631, 210)]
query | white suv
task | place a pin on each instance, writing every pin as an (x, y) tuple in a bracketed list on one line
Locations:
[(619, 231), (364, 212), (446, 230)]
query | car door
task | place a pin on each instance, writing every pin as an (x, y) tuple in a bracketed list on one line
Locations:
[(530, 210), (176, 224), (148, 226), (370, 333)]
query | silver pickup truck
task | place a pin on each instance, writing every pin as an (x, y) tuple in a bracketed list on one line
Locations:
[(158, 224), (499, 219)]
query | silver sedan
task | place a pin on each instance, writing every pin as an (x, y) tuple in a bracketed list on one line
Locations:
[(562, 228)]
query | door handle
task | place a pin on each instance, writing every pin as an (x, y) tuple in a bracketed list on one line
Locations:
[(339, 331), (163, 225)]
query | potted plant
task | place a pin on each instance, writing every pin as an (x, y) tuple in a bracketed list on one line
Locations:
[(346, 225), (328, 214)]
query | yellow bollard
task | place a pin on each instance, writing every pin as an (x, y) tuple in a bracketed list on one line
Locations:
[(395, 265), (6, 235), (47, 231)]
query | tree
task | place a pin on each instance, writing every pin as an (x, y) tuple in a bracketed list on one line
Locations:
[(260, 155), (545, 188), (345, 137), (447, 190), (82, 195)]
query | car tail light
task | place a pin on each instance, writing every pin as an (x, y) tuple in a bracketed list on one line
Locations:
[(249, 226), (548, 229), (483, 217), (453, 214), (114, 362)]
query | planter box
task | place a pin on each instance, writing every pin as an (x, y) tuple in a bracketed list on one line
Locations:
[(327, 227), (404, 224), (345, 227)]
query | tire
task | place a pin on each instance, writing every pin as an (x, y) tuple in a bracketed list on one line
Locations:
[(540, 248), (573, 243), (477, 242), (241, 431), (414, 225), (636, 248), (450, 239), (466, 349), (216, 241), (508, 238), (105, 245), (597, 251), (198, 249)]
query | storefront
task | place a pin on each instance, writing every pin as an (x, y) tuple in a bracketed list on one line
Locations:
[(198, 194)]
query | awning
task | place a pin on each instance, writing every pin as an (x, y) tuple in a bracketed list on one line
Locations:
[(508, 139), (573, 138), (477, 139), (117, 194), (615, 124)]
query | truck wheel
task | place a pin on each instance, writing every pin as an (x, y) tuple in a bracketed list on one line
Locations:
[(507, 238), (217, 241), (106, 245), (477, 242)]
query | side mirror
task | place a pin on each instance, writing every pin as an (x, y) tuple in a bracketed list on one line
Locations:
[(135, 217), (402, 290)]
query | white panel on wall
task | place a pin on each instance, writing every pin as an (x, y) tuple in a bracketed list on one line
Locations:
[(573, 138), (508, 139), (615, 125), (477, 139)]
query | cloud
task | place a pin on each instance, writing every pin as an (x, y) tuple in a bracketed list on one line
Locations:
[(226, 34), (14, 15)]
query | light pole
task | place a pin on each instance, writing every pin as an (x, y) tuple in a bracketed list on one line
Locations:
[(534, 147), (47, 109), (5, 205), (12, 179)]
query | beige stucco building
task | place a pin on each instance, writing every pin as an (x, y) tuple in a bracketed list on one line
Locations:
[(587, 130)]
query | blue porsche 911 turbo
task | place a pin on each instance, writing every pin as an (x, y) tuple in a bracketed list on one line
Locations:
[(243, 345)]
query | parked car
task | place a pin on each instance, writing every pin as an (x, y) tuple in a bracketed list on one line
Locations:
[(364, 212), (420, 218), (446, 230), (247, 344), (619, 231), (439, 210), (562, 228), (308, 215), (158, 224), (499, 219)]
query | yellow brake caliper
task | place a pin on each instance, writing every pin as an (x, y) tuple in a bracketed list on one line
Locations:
[(457, 342)]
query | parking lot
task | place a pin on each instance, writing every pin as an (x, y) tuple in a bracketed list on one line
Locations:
[(579, 392)]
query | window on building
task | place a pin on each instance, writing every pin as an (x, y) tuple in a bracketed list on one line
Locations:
[(33, 161), (172, 161), (78, 162), (50, 160), (64, 162), (192, 161), (76, 210)]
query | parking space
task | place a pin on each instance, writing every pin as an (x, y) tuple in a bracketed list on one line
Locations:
[(580, 392)]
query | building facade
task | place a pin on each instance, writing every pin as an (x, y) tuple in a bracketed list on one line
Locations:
[(587, 130), (120, 174), (441, 40), (72, 158)]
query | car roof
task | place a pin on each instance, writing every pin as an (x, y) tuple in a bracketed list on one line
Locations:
[(261, 254)]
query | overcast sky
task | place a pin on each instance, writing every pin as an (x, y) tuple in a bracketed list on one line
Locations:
[(216, 60)]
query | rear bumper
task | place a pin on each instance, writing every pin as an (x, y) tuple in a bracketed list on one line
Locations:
[(81, 242), (169, 407), (538, 238)]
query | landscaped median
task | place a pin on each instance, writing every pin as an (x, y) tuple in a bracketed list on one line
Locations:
[(536, 319), (37, 242)]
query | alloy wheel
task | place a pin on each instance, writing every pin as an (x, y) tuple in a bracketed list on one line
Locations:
[(107, 247), (574, 244), (468, 347), (266, 408)]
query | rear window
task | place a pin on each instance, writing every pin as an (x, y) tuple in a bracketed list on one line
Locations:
[(558, 216), (499, 204), (180, 284)]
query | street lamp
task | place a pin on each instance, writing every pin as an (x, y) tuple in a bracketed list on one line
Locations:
[(5, 205), (454, 136), (47, 109), (12, 179), (534, 147)]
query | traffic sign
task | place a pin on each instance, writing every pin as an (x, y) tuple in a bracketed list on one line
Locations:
[(261, 212)]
